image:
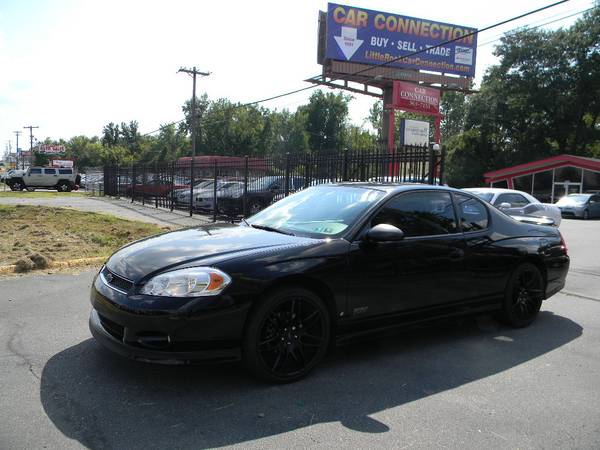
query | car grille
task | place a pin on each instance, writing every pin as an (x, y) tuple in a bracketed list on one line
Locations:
[(115, 281), (114, 329)]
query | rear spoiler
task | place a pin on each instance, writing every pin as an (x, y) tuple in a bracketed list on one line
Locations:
[(533, 220)]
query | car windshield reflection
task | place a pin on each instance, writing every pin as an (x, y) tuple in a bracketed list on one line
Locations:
[(319, 212)]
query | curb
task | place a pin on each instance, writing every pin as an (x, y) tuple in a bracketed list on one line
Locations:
[(59, 264)]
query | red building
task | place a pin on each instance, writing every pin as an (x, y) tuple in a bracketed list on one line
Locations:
[(551, 178)]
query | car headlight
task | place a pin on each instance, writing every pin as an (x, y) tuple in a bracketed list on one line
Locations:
[(193, 282)]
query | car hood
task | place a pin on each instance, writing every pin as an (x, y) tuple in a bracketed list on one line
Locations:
[(195, 247)]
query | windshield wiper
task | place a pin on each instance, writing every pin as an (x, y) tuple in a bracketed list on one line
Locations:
[(268, 228)]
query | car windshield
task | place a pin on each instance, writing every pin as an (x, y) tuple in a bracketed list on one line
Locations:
[(575, 199), (485, 196), (319, 212)]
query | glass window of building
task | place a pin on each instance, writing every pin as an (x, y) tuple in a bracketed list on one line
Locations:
[(503, 184), (591, 181), (542, 186), (567, 173), (523, 183)]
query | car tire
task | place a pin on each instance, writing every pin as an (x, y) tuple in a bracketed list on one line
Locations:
[(523, 296), (16, 186), (586, 215), (63, 187), (30, 189), (286, 336)]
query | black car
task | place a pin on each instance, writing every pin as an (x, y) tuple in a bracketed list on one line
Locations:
[(326, 265), (260, 193)]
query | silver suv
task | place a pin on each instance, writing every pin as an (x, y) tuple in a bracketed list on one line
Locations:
[(61, 179)]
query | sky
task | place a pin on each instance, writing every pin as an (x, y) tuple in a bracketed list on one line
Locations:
[(70, 67)]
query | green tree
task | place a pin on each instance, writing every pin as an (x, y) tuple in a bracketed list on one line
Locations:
[(326, 119)]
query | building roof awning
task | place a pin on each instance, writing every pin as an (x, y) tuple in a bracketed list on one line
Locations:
[(544, 164)]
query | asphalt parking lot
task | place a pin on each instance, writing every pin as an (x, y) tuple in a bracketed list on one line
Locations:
[(475, 384)]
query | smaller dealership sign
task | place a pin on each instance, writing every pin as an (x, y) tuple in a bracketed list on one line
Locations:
[(50, 149), (414, 132), (61, 163), (416, 98), (373, 37)]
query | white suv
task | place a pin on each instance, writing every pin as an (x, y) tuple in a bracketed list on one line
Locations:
[(61, 179)]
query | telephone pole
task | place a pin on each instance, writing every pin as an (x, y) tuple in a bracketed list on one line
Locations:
[(17, 133), (31, 127), (193, 72)]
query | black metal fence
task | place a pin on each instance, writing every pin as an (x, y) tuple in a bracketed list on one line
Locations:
[(234, 187)]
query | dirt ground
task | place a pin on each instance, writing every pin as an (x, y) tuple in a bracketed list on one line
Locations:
[(61, 234)]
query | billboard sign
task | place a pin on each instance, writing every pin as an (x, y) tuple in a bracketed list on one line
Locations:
[(416, 98), (50, 149), (414, 132), (373, 37)]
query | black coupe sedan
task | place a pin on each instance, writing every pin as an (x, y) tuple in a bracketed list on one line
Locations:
[(326, 265)]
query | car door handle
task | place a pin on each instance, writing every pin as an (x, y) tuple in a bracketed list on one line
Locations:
[(456, 254)]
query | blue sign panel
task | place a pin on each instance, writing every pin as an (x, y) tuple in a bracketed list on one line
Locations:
[(373, 37)]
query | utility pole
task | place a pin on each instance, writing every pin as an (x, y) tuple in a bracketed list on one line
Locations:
[(17, 133), (193, 72), (31, 127)]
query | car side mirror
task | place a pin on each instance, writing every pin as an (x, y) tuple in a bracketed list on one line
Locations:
[(504, 205), (384, 232)]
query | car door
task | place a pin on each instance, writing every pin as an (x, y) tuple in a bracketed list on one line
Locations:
[(34, 177), (594, 207), (424, 269), (486, 264), (50, 177)]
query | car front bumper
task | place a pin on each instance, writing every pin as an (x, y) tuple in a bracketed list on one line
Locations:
[(142, 329), (572, 212)]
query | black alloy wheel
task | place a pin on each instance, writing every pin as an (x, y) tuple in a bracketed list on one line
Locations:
[(288, 334), (524, 295), (16, 186)]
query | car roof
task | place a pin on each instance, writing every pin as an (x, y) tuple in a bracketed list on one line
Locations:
[(392, 188)]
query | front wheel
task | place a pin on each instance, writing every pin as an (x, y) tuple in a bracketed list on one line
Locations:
[(586, 215), (523, 296), (16, 186), (287, 335)]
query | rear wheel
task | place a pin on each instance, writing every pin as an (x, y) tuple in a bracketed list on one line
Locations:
[(63, 186), (523, 296), (287, 335), (254, 206), (30, 189)]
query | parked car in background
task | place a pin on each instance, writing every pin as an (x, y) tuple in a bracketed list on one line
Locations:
[(581, 206), (260, 194), (152, 188), (181, 196), (517, 203)]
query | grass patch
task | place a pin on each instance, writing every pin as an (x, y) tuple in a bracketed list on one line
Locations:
[(62, 234), (40, 194)]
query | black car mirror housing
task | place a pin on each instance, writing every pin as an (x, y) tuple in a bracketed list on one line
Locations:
[(384, 232)]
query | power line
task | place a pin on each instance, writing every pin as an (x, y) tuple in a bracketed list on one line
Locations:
[(385, 63)]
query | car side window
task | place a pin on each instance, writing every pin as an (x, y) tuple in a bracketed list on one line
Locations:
[(419, 214), (50, 171), (472, 213), (515, 200), (35, 171), (65, 171)]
